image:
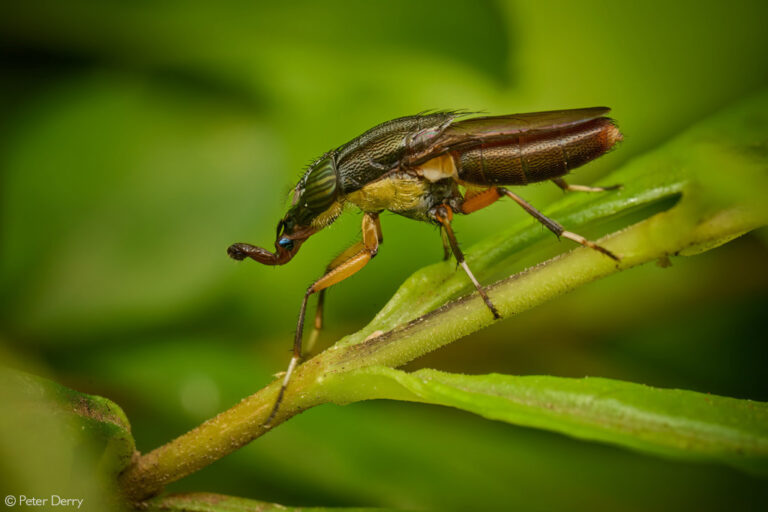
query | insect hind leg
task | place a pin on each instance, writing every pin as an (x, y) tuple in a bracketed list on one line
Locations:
[(567, 187), (555, 226)]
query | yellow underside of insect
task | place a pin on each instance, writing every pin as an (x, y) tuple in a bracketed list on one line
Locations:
[(401, 191), (395, 192)]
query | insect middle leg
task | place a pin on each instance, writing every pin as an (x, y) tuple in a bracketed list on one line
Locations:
[(493, 194), (446, 244), (443, 214), (343, 266)]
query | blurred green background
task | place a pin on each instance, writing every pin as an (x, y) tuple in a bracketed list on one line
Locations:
[(137, 141)]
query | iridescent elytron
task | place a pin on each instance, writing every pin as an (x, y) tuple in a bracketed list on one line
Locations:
[(428, 167)]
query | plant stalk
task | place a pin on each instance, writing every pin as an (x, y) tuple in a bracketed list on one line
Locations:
[(686, 228)]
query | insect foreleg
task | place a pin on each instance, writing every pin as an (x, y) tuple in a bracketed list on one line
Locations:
[(443, 214), (345, 265), (560, 182), (318, 325), (338, 260)]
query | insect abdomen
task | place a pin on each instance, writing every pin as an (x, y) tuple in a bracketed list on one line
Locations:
[(538, 155)]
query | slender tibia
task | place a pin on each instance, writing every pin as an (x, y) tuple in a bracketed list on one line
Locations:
[(554, 226), (348, 263), (318, 326), (560, 182), (443, 215), (446, 244), (294, 359)]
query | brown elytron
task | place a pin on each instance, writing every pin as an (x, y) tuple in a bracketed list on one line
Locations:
[(429, 167)]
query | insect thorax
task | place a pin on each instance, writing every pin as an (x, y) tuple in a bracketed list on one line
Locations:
[(380, 150)]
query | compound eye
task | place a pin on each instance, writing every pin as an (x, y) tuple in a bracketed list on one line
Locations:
[(285, 243)]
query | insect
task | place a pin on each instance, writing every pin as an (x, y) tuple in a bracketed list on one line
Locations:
[(429, 167)]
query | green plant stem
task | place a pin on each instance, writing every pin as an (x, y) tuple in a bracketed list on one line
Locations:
[(687, 228)]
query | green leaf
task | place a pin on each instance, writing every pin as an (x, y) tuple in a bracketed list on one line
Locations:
[(210, 502), (670, 422), (98, 420), (56, 441)]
